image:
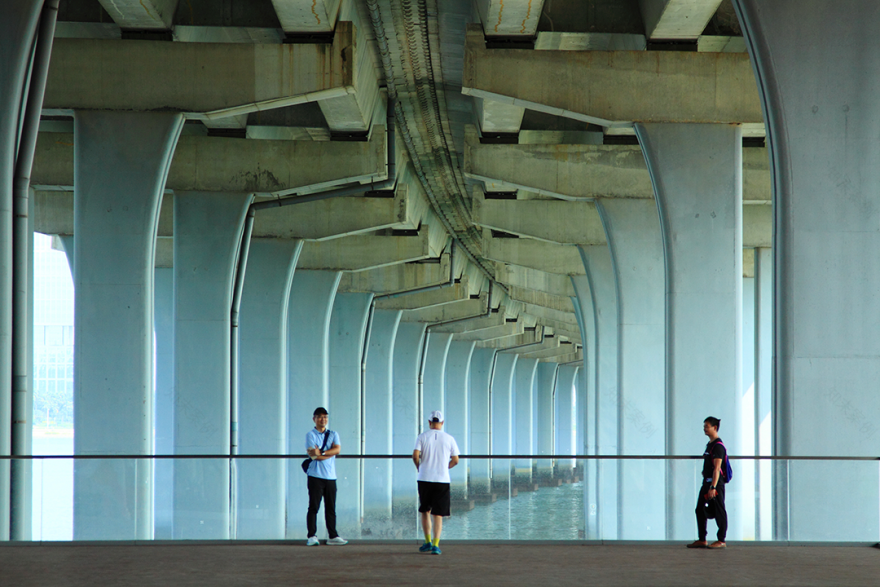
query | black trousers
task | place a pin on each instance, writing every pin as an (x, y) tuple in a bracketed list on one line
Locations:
[(318, 489), (720, 512)]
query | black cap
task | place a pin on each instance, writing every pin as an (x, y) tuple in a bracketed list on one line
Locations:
[(320, 412)]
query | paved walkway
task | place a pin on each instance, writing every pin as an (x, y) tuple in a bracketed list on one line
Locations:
[(400, 563)]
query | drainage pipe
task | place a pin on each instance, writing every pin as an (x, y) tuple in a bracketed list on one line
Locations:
[(22, 401)]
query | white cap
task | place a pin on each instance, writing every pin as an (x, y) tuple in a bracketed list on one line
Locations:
[(436, 416)]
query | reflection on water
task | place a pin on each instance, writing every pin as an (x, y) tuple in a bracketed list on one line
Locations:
[(550, 513)]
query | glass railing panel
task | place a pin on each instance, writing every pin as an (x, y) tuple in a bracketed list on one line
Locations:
[(486, 512), (52, 514), (198, 501)]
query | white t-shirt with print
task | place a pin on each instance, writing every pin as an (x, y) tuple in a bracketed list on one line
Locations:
[(437, 448)]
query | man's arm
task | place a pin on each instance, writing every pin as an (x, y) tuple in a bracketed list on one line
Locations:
[(453, 461), (417, 458), (716, 476), (330, 452)]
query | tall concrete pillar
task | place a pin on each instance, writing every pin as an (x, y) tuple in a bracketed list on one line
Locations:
[(120, 162), (696, 170), (378, 423), (632, 228), (308, 358), (458, 366), (502, 419), (564, 417), (348, 324), (262, 389), (523, 417), (434, 375), (586, 404), (763, 389), (479, 416), (207, 229), (18, 23), (823, 132), (163, 411), (746, 470), (603, 355), (405, 424), (545, 388)]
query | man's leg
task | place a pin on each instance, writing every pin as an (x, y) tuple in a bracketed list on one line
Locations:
[(426, 525), (330, 507), (315, 491), (701, 521), (721, 513), (438, 528)]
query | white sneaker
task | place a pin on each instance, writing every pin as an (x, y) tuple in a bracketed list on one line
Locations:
[(338, 541), (312, 541)]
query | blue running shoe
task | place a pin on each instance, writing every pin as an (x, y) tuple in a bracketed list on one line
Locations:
[(426, 547), (435, 550)]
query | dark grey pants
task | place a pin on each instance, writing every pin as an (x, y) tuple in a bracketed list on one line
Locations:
[(322, 489), (720, 512)]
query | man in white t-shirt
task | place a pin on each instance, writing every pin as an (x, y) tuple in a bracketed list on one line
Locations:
[(434, 454)]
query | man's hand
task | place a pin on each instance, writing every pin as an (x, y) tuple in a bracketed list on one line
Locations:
[(314, 452), (711, 494)]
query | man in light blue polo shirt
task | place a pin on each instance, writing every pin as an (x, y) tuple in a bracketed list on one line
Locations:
[(322, 445)]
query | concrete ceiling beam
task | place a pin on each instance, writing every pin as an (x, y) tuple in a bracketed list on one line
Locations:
[(586, 171), (307, 16), (677, 19), (464, 309), (479, 323), (217, 164), (535, 254), (608, 88), (396, 278), (358, 253), (508, 329), (544, 314), (530, 337), (757, 226), (497, 117), (535, 279), (571, 332), (427, 299), (577, 357), (204, 80), (563, 347), (141, 14), (555, 221), (530, 296), (510, 18)]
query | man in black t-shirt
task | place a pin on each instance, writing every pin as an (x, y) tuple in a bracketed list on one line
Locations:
[(712, 489)]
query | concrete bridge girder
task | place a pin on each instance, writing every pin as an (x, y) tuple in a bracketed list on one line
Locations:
[(141, 14), (396, 278), (607, 87), (453, 293), (361, 252), (676, 19), (218, 164), (508, 329), (463, 309), (534, 279), (534, 254)]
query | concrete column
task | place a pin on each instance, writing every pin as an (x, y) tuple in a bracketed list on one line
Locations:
[(745, 420), (479, 415), (458, 363), (763, 389), (587, 403), (523, 417), (822, 128), (603, 355), (308, 358), (434, 375), (121, 161), (632, 228), (163, 410), (378, 423), (262, 389), (18, 23), (696, 170), (405, 424), (563, 401), (545, 388), (348, 324), (502, 419), (207, 229)]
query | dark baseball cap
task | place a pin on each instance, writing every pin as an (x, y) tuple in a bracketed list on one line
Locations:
[(321, 412)]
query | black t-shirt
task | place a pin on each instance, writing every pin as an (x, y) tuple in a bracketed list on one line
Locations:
[(714, 450)]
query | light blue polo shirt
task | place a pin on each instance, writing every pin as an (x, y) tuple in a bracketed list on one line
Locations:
[(325, 469)]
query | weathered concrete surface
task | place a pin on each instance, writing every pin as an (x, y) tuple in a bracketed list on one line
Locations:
[(676, 19), (359, 252), (510, 18), (451, 311), (141, 14), (607, 87), (220, 78), (552, 283), (396, 278), (530, 296), (492, 333), (215, 164), (307, 16), (554, 221), (586, 171), (437, 297), (549, 257)]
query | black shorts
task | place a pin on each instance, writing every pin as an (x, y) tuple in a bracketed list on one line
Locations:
[(434, 498)]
